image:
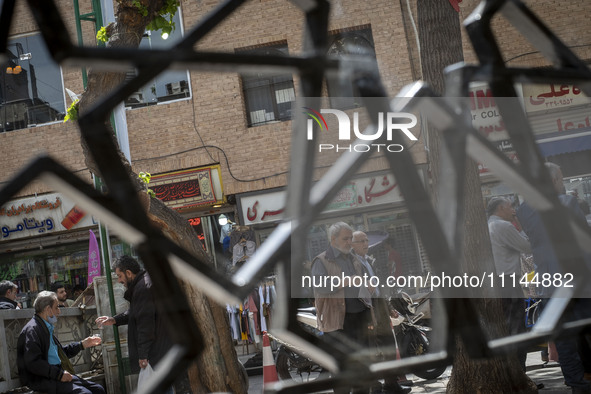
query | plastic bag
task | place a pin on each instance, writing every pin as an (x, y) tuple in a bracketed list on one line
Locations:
[(145, 374)]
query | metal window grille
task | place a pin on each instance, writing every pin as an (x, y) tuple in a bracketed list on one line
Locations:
[(267, 97)]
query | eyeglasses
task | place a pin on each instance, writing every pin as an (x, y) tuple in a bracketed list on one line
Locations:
[(363, 241)]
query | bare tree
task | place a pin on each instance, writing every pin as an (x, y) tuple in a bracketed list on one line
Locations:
[(440, 46), (217, 369)]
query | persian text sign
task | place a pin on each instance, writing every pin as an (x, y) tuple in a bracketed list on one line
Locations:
[(545, 97), (94, 260), (43, 214), (184, 189), (358, 193)]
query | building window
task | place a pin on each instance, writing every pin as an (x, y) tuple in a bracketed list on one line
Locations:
[(354, 42), (32, 90), (167, 86), (268, 97)]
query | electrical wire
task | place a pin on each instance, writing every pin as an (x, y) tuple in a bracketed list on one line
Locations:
[(534, 52), (225, 158)]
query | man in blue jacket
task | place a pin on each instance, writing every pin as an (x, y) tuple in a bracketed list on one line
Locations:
[(547, 263), (43, 363)]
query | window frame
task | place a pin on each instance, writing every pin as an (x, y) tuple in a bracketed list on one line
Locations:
[(58, 116), (152, 84), (269, 83), (336, 85)]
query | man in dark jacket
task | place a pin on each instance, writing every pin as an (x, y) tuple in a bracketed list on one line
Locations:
[(148, 338), (8, 292), (42, 360)]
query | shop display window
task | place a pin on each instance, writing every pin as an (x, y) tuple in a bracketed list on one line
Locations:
[(35, 270)]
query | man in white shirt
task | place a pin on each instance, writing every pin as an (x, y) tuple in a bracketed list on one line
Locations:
[(507, 245)]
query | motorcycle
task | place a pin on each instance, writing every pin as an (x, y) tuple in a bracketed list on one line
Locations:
[(414, 339), (293, 365)]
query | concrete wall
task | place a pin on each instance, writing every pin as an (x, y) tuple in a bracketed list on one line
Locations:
[(74, 324), (216, 114)]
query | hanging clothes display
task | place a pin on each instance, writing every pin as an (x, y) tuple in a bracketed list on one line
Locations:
[(242, 251), (233, 317), (252, 306), (242, 244), (243, 324), (261, 303)]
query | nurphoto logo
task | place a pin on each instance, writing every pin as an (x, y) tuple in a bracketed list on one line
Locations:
[(389, 123)]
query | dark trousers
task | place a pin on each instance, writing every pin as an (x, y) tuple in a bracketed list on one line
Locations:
[(514, 309), (76, 386), (355, 328), (571, 363)]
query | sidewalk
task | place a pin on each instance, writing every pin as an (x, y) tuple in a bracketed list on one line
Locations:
[(549, 375)]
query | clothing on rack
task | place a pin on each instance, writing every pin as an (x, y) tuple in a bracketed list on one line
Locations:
[(242, 251), (234, 318), (243, 324), (239, 233), (252, 306)]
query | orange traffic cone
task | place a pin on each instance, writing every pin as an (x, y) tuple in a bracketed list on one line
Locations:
[(269, 368)]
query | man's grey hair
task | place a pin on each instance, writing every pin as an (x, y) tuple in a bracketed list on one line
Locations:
[(554, 170), (43, 300), (6, 285), (358, 233), (494, 204), (336, 228)]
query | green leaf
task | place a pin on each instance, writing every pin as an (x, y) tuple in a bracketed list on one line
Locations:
[(72, 112), (102, 35)]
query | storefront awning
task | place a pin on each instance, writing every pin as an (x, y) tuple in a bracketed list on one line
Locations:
[(567, 145)]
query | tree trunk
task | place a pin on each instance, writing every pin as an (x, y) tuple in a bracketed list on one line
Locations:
[(217, 369), (441, 45)]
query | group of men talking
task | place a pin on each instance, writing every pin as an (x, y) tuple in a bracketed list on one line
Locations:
[(352, 313), (43, 363), (514, 233)]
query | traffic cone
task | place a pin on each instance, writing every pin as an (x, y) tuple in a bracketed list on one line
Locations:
[(269, 368)]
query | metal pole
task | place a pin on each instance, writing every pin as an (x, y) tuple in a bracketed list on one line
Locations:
[(96, 17), (80, 40), (106, 258)]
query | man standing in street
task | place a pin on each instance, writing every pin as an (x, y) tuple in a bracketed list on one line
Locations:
[(507, 245), (341, 309), (383, 330), (148, 337), (43, 364), (8, 292), (571, 362), (344, 309), (62, 295)]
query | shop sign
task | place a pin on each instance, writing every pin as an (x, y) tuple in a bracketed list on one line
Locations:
[(552, 110), (48, 213), (554, 96), (188, 188), (358, 193)]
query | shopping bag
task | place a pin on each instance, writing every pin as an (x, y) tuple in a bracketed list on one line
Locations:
[(145, 374)]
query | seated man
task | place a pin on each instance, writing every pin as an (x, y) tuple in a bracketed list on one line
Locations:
[(8, 292), (62, 295), (43, 364)]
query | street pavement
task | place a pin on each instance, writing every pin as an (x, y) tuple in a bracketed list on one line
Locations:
[(550, 375)]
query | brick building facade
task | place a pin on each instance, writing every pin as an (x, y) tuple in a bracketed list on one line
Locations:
[(205, 119)]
